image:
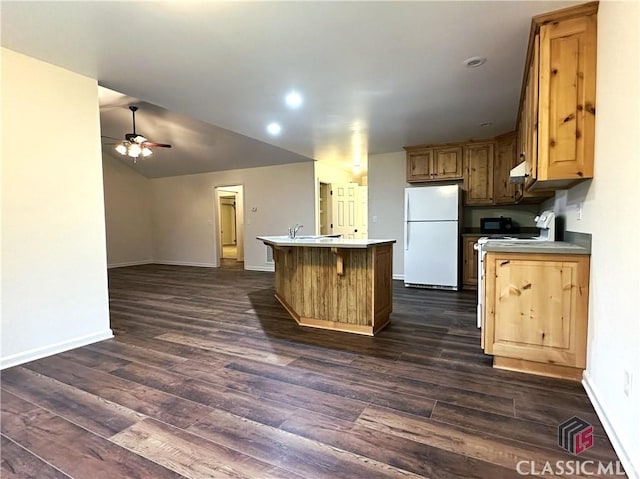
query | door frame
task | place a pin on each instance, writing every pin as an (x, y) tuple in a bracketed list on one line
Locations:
[(218, 192)]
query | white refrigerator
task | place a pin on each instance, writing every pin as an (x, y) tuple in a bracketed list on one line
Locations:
[(431, 236)]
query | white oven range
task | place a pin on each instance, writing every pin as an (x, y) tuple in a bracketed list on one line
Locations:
[(545, 222)]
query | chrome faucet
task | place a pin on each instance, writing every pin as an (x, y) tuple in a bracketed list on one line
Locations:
[(293, 230)]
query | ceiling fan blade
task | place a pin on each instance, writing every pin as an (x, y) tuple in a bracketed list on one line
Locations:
[(110, 138), (151, 144)]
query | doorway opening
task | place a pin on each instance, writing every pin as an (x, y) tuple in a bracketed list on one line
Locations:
[(228, 227), (324, 208), (347, 207), (229, 232)]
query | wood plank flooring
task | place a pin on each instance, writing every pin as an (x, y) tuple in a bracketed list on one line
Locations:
[(208, 377)]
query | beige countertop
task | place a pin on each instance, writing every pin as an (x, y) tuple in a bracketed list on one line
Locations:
[(524, 246), (322, 241)]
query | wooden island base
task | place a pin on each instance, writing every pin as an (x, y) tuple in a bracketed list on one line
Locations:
[(342, 285)]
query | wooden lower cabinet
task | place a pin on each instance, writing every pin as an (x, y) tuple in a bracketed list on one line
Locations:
[(535, 315), (469, 262)]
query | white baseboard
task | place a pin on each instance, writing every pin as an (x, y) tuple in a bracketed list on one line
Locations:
[(398, 276), (632, 470), (129, 263), (187, 263), (268, 269), (38, 353)]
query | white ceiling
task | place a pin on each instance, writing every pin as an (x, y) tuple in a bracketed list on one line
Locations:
[(375, 76)]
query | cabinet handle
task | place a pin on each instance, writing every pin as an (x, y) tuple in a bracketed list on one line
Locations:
[(522, 156)]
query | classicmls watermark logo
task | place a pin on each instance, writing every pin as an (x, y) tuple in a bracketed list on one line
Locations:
[(575, 435)]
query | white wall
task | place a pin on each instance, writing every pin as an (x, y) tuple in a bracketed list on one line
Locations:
[(275, 197), (127, 199), (387, 181), (610, 214), (54, 268)]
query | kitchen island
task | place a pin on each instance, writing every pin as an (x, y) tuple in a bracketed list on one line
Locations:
[(334, 283)]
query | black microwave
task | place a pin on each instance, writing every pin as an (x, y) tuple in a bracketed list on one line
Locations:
[(499, 225)]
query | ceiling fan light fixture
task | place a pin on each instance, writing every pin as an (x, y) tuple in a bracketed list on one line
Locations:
[(134, 150), (135, 145)]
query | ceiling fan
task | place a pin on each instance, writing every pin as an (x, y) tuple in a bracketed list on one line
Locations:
[(134, 144)]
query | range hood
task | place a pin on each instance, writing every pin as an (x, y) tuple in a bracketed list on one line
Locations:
[(518, 173)]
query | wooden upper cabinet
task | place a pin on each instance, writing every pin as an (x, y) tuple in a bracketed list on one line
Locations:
[(567, 99), (434, 163), (419, 165), (557, 112), (505, 158), (478, 178), (447, 163)]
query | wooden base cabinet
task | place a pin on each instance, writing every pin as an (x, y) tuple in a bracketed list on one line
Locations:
[(469, 262), (535, 315)]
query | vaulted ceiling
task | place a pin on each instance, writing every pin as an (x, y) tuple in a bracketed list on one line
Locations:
[(210, 76)]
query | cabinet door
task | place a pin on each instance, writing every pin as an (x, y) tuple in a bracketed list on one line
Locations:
[(419, 165), (531, 105), (447, 163), (537, 307), (567, 99), (505, 159), (469, 262), (478, 180)]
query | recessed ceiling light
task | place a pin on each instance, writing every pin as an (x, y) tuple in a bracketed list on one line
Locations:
[(474, 62), (293, 99), (274, 129)]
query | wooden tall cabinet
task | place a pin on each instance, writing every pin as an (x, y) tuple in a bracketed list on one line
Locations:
[(556, 125), (433, 163), (479, 172), (535, 315)]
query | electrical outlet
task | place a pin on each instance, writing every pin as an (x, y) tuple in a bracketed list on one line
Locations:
[(627, 383), (375, 219)]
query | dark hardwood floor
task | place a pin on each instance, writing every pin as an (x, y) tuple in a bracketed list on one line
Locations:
[(208, 377)]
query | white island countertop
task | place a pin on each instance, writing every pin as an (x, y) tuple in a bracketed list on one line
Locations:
[(322, 241)]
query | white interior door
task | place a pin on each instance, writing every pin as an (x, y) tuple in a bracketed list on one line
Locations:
[(344, 205), (362, 213)]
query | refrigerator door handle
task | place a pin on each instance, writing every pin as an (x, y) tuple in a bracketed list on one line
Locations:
[(406, 236), (406, 218), (406, 206)]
